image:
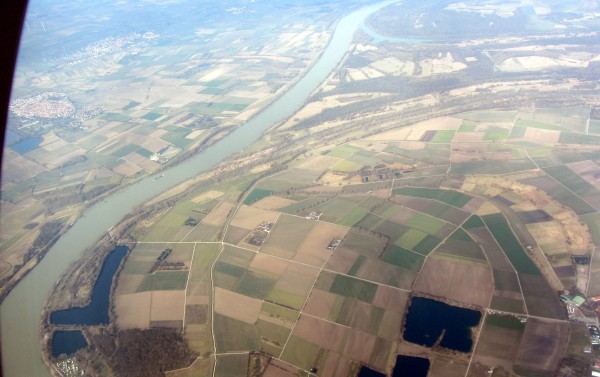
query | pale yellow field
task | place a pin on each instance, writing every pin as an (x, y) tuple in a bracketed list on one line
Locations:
[(542, 136), (273, 202), (133, 310), (207, 196), (236, 306), (219, 214), (314, 250), (250, 217), (270, 264), (167, 305)]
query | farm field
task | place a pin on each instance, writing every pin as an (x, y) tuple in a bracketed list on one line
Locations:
[(312, 266), (319, 275), (449, 153)]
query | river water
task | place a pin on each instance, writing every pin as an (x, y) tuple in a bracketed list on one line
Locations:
[(20, 312)]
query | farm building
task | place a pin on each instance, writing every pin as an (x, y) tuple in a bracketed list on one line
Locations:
[(378, 172)]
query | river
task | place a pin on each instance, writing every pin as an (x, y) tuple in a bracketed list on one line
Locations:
[(20, 312)]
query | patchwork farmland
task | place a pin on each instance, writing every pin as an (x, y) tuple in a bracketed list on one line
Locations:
[(315, 267)]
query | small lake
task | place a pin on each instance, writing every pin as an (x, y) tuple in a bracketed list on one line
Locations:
[(410, 366), (67, 342), (96, 313), (368, 372), (27, 145), (11, 136), (428, 320)]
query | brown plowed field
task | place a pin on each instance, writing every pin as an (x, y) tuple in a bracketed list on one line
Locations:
[(543, 344), (167, 305), (219, 214), (467, 283), (325, 334), (237, 306), (319, 303), (133, 310), (270, 264), (342, 260), (390, 298), (250, 217), (359, 345), (314, 250)]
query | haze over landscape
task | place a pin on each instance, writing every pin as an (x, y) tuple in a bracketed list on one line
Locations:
[(329, 188)]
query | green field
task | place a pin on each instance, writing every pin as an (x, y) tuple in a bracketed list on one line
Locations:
[(363, 157), (593, 222), (256, 195), (403, 258), (360, 260), (273, 336), (443, 136), (574, 138), (473, 222), (311, 203), (124, 151), (229, 269), (427, 245), (561, 194), (425, 223), (410, 239), (492, 167), (344, 151), (467, 127), (178, 137), (171, 227), (501, 231), (517, 132), (460, 235), (489, 116), (594, 127), (507, 322), (231, 365), (507, 304), (506, 280), (494, 134), (232, 335), (352, 216), (151, 116), (257, 285), (287, 299), (301, 353), (570, 179), (164, 281), (537, 124), (453, 198), (351, 287), (345, 166)]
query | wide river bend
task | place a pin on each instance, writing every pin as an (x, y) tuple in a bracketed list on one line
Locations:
[(20, 312)]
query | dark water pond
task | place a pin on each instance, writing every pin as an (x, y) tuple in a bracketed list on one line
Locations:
[(368, 372), (11, 136), (27, 145), (410, 366), (96, 313), (428, 320), (67, 342)]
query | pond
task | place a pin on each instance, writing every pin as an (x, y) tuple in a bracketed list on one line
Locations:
[(67, 342), (96, 312), (27, 145), (368, 372), (410, 366), (431, 322)]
